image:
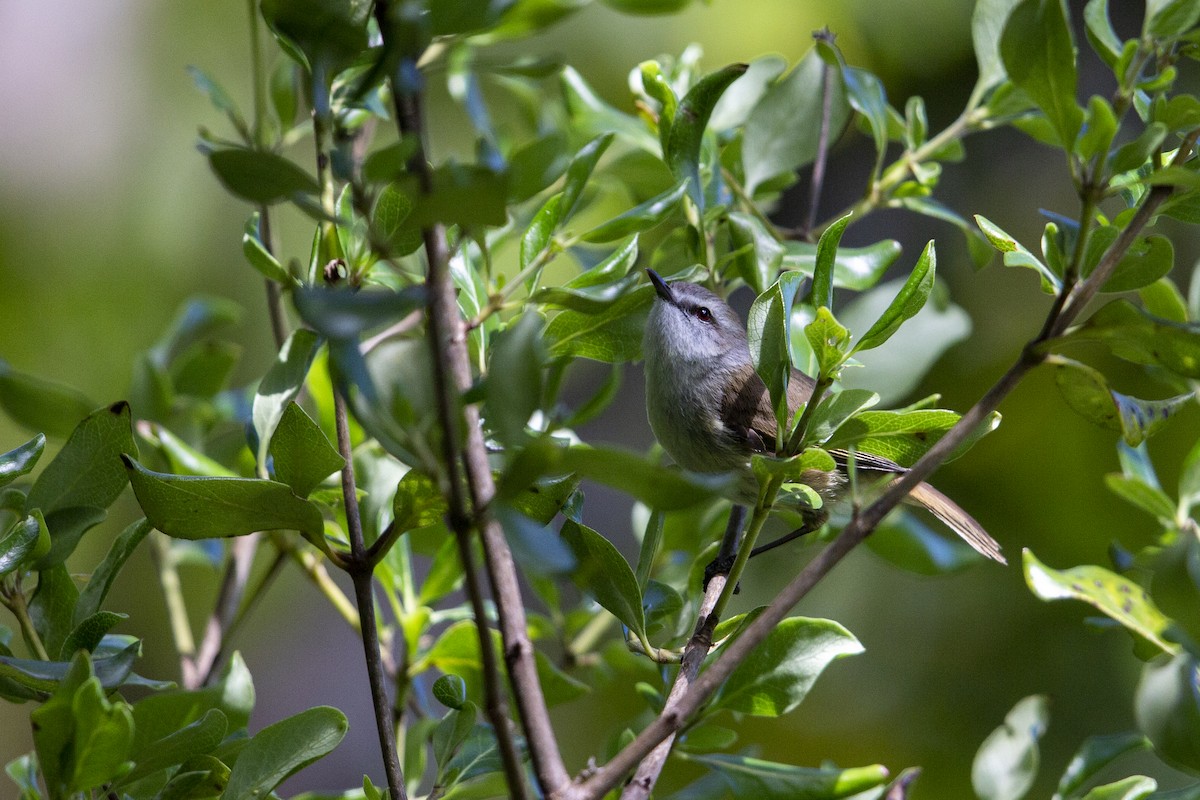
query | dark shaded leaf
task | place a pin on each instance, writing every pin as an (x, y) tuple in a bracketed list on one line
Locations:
[(41, 405), (283, 748), (200, 508), (603, 572), (682, 151), (261, 177), (769, 780), (780, 134)]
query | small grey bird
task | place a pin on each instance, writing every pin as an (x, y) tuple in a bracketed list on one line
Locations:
[(711, 411)]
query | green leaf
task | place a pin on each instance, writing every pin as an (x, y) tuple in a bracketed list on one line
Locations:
[(578, 172), (66, 527), (40, 405), (1038, 51), (20, 543), (89, 632), (658, 487), (53, 607), (21, 460), (907, 303), (610, 336), (1145, 262), (1016, 254), (449, 735), (987, 23), (45, 676), (196, 738), (830, 342), (540, 233), (1096, 753), (1118, 598), (513, 389), (391, 211), (902, 436), (445, 573), (201, 508), (781, 134), (682, 152), (602, 572), (1100, 33), (204, 370), (301, 453), (868, 97), (1087, 392), (260, 177), (767, 327), (1134, 787), (467, 195), (1169, 19), (450, 691), (1167, 708), (757, 254), (1189, 479), (283, 748), (591, 116), (1148, 498), (535, 546), (743, 94), (260, 257), (641, 217), (87, 472), (769, 780), (160, 715), (778, 674), (1136, 336), (1007, 761), (418, 501), (856, 268), (827, 247), (329, 33), (280, 386), (1134, 154), (535, 165)]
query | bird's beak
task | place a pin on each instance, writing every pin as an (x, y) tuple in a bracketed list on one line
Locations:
[(660, 287)]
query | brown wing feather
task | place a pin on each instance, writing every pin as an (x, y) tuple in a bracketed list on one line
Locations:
[(751, 401)]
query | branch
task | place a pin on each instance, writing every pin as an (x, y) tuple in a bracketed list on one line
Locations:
[(818, 170), (452, 375), (693, 657), (361, 574)]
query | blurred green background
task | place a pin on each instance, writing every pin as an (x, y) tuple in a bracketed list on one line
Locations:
[(109, 219)]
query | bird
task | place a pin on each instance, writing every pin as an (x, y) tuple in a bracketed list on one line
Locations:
[(710, 410)]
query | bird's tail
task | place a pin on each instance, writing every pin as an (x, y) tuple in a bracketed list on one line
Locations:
[(956, 520)]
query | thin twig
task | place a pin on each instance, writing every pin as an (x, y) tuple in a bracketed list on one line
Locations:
[(452, 374), (362, 576), (818, 169)]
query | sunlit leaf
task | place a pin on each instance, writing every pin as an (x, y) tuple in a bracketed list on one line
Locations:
[(1115, 596), (1007, 761)]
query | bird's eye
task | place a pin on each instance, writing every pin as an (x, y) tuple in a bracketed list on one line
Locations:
[(703, 314)]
